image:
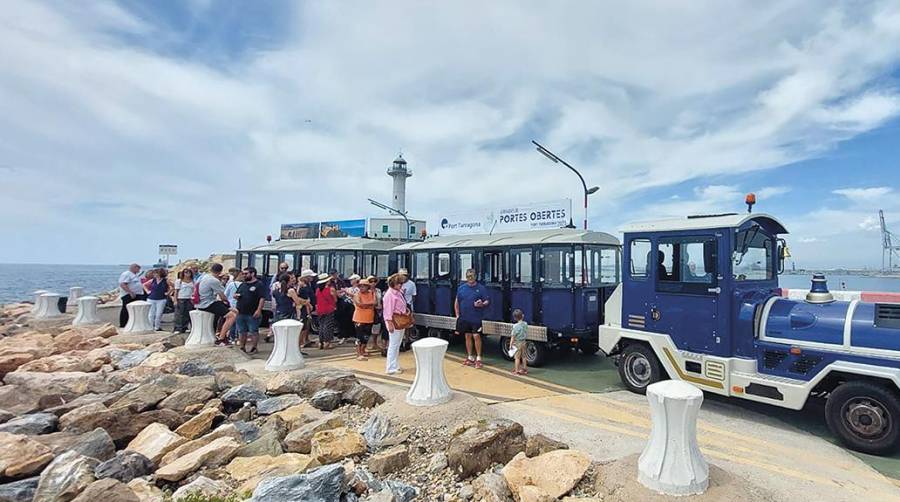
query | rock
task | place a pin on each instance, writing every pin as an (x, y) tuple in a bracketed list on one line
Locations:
[(22, 456), (125, 466), (146, 491), (481, 444), (380, 431), (174, 383), (141, 399), (363, 396), (226, 430), (531, 493), (128, 427), (87, 418), (95, 444), (107, 490), (299, 415), (69, 384), (278, 403), (491, 487), (324, 484), (307, 382), (66, 476), (19, 401), (466, 492), (184, 398), (244, 393), (266, 444), (300, 440), (362, 481), (34, 424), (228, 379), (105, 399), (12, 362), (437, 463), (132, 359), (19, 491), (390, 460), (326, 400), (74, 339), (72, 361), (6, 416), (198, 425), (202, 486), (385, 495), (218, 452), (336, 444), (196, 367), (274, 424), (540, 444), (554, 473), (244, 414), (104, 331), (249, 471), (154, 441)]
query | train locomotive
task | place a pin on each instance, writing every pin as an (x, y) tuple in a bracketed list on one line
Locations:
[(700, 302)]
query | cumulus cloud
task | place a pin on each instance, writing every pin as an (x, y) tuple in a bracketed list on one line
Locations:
[(863, 194)]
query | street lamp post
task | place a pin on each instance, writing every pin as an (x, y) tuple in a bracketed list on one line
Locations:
[(587, 191), (391, 210)]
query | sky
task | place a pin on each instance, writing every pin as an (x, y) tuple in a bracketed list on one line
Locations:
[(128, 124)]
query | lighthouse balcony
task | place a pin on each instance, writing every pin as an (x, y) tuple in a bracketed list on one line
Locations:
[(399, 171)]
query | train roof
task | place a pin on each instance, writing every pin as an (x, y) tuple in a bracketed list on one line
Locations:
[(327, 244), (554, 236), (701, 222)]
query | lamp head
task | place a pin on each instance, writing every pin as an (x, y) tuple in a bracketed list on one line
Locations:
[(592, 190)]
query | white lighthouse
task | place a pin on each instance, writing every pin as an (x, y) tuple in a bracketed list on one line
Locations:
[(399, 172)]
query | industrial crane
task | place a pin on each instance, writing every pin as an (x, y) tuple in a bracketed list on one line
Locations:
[(888, 249)]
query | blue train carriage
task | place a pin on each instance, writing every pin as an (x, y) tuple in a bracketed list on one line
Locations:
[(347, 255), (700, 302), (559, 278)]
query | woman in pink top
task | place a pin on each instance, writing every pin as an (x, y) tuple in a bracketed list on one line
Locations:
[(394, 303)]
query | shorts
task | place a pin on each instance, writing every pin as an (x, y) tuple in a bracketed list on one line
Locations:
[(520, 345), (463, 326), (363, 330), (218, 308), (246, 323)]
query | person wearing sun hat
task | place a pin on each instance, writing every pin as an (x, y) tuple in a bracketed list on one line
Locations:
[(363, 316), (326, 307)]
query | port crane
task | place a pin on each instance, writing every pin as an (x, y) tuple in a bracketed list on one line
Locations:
[(889, 251)]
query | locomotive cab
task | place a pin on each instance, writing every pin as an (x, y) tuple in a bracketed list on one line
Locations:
[(699, 301)]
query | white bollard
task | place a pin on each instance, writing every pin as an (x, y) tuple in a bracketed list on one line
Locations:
[(671, 462), (430, 385), (75, 293), (286, 353), (48, 306), (138, 317), (37, 299), (87, 311), (203, 333)]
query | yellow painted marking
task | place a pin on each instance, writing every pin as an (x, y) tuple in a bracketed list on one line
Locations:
[(690, 378)]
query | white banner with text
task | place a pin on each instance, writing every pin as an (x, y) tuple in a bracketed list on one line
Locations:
[(535, 216)]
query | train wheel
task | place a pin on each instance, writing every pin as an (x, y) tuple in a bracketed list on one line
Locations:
[(536, 353), (436, 333), (865, 416), (639, 367), (504, 348)]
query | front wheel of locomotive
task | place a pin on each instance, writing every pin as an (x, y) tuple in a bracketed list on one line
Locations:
[(535, 352), (639, 368), (865, 416)]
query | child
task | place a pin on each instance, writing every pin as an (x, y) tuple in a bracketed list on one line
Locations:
[(517, 340)]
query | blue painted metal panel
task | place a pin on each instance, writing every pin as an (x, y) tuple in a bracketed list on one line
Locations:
[(494, 310), (792, 364), (443, 300), (866, 334), (422, 302), (557, 308), (522, 298), (796, 320)]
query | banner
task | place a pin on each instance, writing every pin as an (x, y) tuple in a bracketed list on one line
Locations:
[(300, 230), (168, 250), (343, 228), (538, 216)]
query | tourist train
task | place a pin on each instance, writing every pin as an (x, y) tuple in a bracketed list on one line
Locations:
[(698, 300)]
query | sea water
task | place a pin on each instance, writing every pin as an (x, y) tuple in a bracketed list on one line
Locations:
[(18, 281)]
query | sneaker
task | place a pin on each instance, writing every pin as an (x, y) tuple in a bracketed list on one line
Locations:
[(478, 365), (468, 362), (176, 332)]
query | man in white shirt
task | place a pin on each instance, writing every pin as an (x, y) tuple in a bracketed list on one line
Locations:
[(408, 287), (130, 289), (214, 301)]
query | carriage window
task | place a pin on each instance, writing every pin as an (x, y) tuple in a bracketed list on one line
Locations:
[(493, 267), (422, 269), (640, 254), (609, 266), (465, 263), (558, 267), (592, 266), (402, 261), (689, 263), (381, 265), (273, 264), (753, 258), (521, 267), (580, 276), (306, 262), (289, 259), (345, 264), (442, 260), (244, 260), (321, 263)]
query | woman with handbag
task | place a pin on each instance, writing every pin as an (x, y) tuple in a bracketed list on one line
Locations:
[(397, 317)]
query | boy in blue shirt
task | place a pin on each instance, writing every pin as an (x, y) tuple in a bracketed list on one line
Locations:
[(471, 300), (517, 340)]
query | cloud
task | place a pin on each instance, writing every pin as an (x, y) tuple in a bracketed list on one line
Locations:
[(772, 192), (863, 194)]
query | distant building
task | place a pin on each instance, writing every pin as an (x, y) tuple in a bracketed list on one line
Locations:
[(392, 228)]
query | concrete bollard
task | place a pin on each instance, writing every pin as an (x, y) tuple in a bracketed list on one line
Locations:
[(37, 299), (87, 311), (430, 385), (48, 306), (203, 333), (671, 463), (286, 353), (138, 317), (75, 292)]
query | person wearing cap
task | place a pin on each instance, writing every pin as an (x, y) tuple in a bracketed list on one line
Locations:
[(326, 306), (408, 288), (306, 290), (363, 316)]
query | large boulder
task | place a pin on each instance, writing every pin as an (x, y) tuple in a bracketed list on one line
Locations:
[(540, 444), (69, 384), (107, 490), (121, 425), (363, 396), (131, 359), (146, 491), (228, 379), (225, 430), (216, 453), (199, 425), (67, 476), (244, 393), (128, 427), (87, 418), (202, 488), (553, 474), (182, 399), (390, 460), (196, 367), (140, 399), (95, 444), (337, 444), (71, 361), (326, 399), (22, 456), (277, 403), (154, 441), (249, 471), (380, 431), (299, 415), (307, 382), (125, 466), (19, 491), (105, 399), (300, 439), (19, 401), (478, 445), (34, 424), (324, 484), (267, 444)]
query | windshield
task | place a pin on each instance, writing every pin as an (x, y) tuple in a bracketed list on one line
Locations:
[(754, 257)]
